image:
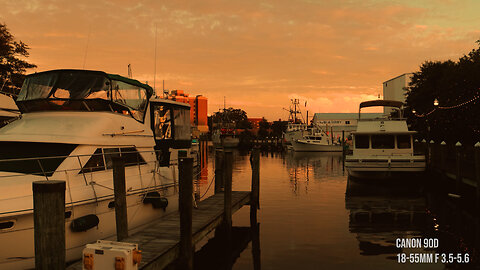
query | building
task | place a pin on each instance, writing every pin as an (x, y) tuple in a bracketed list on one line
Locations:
[(395, 89), (255, 121), (198, 108), (337, 122)]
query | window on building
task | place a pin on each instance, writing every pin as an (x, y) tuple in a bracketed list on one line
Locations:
[(403, 142), (383, 141), (362, 141), (347, 122)]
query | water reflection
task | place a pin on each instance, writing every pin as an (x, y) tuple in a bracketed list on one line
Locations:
[(379, 214), (303, 167)]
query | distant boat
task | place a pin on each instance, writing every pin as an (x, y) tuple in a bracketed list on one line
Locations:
[(315, 140), (296, 126), (225, 136), (383, 147)]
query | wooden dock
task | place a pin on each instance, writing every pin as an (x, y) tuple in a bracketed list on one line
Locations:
[(172, 237), (159, 243)]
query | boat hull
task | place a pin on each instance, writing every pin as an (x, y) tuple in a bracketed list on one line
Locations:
[(382, 169), (299, 146), (22, 254)]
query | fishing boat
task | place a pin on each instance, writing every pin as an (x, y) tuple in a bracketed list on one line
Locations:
[(72, 123), (383, 147), (295, 126), (315, 139)]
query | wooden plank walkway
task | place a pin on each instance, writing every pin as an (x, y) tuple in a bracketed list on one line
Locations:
[(159, 243)]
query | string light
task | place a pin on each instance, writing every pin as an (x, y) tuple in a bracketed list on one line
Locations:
[(445, 107)]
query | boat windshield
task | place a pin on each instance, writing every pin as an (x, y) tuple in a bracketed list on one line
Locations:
[(81, 91)]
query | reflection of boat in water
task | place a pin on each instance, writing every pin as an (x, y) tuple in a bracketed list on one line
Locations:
[(73, 123), (303, 167), (378, 216), (383, 147)]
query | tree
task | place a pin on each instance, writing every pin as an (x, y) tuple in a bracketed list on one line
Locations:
[(231, 115), (12, 66), (264, 128), (451, 83)]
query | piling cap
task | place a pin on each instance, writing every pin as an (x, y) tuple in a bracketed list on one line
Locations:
[(424, 141), (477, 144), (458, 144), (431, 141), (48, 186), (443, 143), (416, 140)]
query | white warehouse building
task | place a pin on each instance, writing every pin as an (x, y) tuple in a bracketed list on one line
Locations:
[(395, 89)]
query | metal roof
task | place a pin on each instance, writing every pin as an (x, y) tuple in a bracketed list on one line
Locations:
[(345, 116)]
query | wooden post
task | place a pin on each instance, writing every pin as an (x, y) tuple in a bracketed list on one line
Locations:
[(458, 151), (49, 224), (343, 143), (431, 145), (443, 157), (120, 194), (228, 167), (218, 170), (425, 150), (185, 206), (255, 164), (477, 172)]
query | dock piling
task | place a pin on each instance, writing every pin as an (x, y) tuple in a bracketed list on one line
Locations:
[(255, 164), (458, 152), (120, 195), (185, 207), (218, 170), (49, 224), (228, 167), (477, 171)]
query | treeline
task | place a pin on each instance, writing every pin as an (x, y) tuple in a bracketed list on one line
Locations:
[(455, 86)]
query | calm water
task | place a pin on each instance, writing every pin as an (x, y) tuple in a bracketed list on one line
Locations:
[(308, 221)]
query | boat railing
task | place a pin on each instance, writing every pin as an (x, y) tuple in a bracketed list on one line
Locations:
[(43, 166)]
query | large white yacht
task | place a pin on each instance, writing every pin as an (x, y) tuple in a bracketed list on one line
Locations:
[(383, 147), (72, 123)]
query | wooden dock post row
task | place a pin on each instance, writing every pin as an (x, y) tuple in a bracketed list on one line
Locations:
[(161, 243)]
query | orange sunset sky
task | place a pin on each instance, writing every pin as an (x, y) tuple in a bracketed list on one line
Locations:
[(258, 54)]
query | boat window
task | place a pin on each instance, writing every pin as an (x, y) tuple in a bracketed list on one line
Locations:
[(131, 96), (362, 141), (403, 142), (162, 122), (95, 163), (131, 156), (383, 141), (182, 124), (33, 157)]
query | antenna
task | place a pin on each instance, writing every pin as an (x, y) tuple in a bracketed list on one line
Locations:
[(86, 48), (224, 102), (130, 75), (155, 60)]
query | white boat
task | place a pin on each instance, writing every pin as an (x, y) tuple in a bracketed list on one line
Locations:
[(316, 140), (383, 147), (224, 135), (8, 109), (73, 122), (295, 126)]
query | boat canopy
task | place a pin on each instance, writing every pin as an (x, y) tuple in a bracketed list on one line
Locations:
[(381, 102), (84, 90)]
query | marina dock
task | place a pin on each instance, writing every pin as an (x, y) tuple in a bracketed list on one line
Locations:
[(160, 243), (172, 237)]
